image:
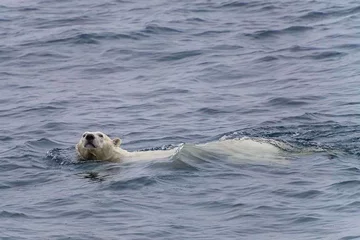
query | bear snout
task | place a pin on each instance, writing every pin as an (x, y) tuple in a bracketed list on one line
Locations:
[(90, 137)]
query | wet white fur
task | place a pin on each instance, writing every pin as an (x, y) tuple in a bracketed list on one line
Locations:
[(109, 150)]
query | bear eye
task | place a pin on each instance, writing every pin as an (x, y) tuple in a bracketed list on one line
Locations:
[(84, 135), (100, 135)]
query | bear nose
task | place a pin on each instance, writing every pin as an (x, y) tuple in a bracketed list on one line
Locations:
[(90, 137)]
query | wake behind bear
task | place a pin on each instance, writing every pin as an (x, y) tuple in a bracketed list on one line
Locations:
[(98, 146)]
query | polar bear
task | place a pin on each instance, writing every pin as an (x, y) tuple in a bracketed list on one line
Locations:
[(99, 146)]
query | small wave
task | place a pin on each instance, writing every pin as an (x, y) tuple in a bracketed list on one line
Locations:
[(298, 48), (210, 33), (211, 111), (351, 46), (28, 9), (81, 20), (285, 102), (306, 194), (320, 15), (348, 207), (6, 214), (43, 143), (156, 29), (45, 54), (268, 59), (196, 19), (274, 33), (353, 237), (226, 47), (233, 4), (304, 219), (346, 184), (326, 55), (179, 55), (83, 38), (314, 15), (86, 38)]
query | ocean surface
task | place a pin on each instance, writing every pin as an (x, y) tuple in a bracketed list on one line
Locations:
[(161, 73)]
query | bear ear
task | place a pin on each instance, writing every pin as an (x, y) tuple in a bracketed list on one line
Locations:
[(116, 142)]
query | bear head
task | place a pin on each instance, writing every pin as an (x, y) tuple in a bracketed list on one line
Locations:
[(97, 146)]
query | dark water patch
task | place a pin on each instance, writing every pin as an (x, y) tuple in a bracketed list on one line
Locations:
[(327, 55), (233, 4), (85, 38), (355, 204), (277, 33), (169, 91), (103, 69), (156, 29), (196, 19), (308, 194), (93, 176), (131, 184), (4, 186), (304, 219), (268, 59), (294, 29), (44, 55), (286, 102), (5, 138), (114, 36), (314, 15), (352, 46), (211, 111), (180, 55), (348, 207), (27, 9), (320, 15), (350, 237), (226, 47), (346, 184), (350, 104), (211, 33), (6, 214), (269, 8), (301, 183), (298, 48), (352, 170), (63, 22), (139, 9)]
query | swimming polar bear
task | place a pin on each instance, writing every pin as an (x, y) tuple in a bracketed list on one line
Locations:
[(98, 146)]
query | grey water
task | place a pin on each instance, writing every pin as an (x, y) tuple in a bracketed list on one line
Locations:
[(160, 73)]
